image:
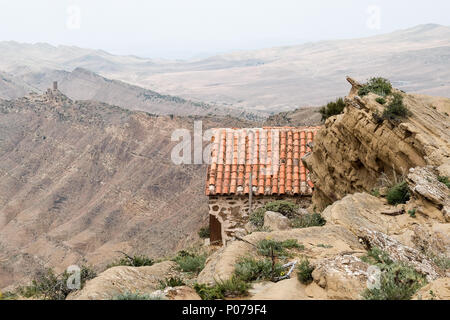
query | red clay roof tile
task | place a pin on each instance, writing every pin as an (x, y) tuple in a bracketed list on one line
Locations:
[(272, 155)]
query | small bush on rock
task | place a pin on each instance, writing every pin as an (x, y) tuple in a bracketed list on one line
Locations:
[(332, 109), (251, 269), (399, 193), (257, 217), (267, 246), (286, 208), (204, 233), (170, 282), (308, 220), (304, 272), (444, 180), (396, 109), (190, 262), (379, 86), (132, 261), (233, 287)]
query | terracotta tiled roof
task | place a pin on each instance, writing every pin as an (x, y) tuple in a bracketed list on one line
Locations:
[(271, 156)]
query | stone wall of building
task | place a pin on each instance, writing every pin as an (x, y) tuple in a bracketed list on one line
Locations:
[(233, 211)]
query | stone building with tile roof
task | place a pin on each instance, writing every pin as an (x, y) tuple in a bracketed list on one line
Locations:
[(253, 166)]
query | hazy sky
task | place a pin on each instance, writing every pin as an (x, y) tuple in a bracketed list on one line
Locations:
[(186, 28)]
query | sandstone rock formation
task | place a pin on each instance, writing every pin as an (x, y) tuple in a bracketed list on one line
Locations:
[(319, 242), (353, 148), (121, 280), (276, 221), (435, 290), (343, 276)]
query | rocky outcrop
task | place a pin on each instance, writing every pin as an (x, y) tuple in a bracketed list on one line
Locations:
[(354, 148), (401, 253), (276, 221), (121, 280), (319, 242), (343, 276), (432, 196)]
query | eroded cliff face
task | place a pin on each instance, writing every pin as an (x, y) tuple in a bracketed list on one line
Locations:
[(353, 149)]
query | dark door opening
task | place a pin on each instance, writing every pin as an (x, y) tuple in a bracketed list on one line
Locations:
[(215, 230)]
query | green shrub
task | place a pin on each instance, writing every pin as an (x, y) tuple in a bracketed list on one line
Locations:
[(444, 180), (304, 272), (380, 100), (266, 246), (204, 233), (375, 192), (286, 208), (399, 193), (397, 282), (190, 262), (251, 269), (170, 282), (379, 86), (257, 217), (132, 261), (396, 109), (51, 286), (137, 296), (412, 213), (332, 109), (376, 256), (233, 287), (308, 220)]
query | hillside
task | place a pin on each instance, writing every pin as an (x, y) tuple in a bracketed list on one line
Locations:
[(82, 84), (274, 79), (80, 180)]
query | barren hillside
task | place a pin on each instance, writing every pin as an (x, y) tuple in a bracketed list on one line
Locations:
[(80, 180)]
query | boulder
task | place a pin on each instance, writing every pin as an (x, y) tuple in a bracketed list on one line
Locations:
[(342, 277), (119, 280), (401, 253), (276, 221)]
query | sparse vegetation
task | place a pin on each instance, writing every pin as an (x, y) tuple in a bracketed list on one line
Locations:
[(412, 213), (381, 100), (375, 192), (137, 296), (50, 286), (286, 208), (190, 262), (308, 220), (444, 180), (399, 193), (234, 287), (379, 86), (267, 246), (396, 109), (332, 109), (251, 269), (304, 272), (170, 282), (132, 261), (257, 217), (398, 281), (204, 233)]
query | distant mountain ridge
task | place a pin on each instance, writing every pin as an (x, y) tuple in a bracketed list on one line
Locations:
[(272, 80)]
